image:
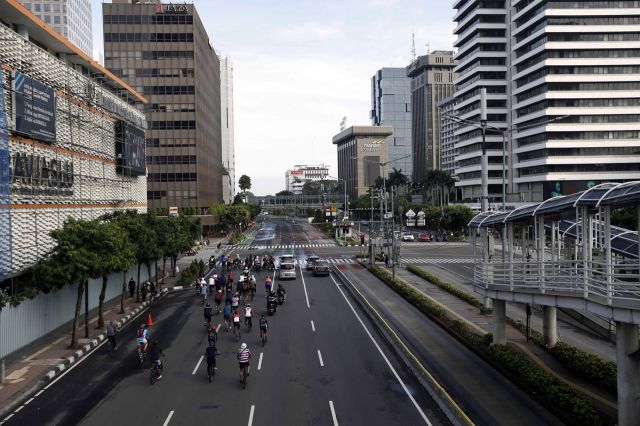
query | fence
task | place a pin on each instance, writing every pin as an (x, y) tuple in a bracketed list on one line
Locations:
[(33, 319)]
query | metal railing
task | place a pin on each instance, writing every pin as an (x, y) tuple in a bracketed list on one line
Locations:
[(607, 284)]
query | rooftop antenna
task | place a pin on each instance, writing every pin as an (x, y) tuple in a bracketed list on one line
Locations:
[(428, 48), (343, 123), (413, 47)]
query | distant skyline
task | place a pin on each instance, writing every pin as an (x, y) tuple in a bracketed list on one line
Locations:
[(300, 66)]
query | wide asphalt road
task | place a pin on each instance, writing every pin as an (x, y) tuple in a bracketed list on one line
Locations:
[(324, 363)]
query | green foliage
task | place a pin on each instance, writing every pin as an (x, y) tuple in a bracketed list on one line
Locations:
[(244, 182), (284, 193), (190, 273), (555, 394), (626, 218), (588, 366), (316, 187), (326, 228), (445, 285)]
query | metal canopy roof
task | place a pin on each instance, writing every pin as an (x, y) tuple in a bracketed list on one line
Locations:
[(626, 194), (611, 194), (623, 241)]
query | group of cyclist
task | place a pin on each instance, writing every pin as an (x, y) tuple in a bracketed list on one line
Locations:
[(254, 262)]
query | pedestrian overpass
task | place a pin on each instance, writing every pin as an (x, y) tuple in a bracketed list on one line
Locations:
[(564, 252)]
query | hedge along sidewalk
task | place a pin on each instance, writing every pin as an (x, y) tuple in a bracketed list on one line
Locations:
[(553, 393), (585, 365)]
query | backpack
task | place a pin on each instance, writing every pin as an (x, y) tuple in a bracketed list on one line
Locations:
[(140, 333)]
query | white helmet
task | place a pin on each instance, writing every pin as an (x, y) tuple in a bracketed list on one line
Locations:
[(243, 346)]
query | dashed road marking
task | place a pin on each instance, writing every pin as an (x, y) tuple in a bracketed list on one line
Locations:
[(320, 358), (198, 365), (253, 407), (260, 361), (333, 413), (313, 327), (166, 422)]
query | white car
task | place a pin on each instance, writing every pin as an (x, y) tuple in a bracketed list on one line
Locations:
[(407, 237), (287, 270)]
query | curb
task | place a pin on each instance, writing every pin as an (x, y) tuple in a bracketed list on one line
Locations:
[(69, 361)]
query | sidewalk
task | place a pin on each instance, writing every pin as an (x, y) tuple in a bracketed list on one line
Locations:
[(605, 401), (36, 367)]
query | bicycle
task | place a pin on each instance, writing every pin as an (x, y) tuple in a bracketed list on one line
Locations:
[(142, 354), (263, 336), (211, 371), (154, 373), (236, 331), (243, 375)]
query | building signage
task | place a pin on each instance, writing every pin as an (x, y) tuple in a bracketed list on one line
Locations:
[(297, 172), (39, 175), (172, 8), (5, 193), (130, 150), (120, 109), (173, 211), (372, 146), (34, 108), (558, 188)]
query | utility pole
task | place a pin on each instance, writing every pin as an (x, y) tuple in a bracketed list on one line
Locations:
[(485, 162), (393, 233)]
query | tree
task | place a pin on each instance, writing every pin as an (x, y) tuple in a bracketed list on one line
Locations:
[(319, 187), (178, 236), (71, 261), (115, 253), (244, 182), (397, 178), (284, 193)]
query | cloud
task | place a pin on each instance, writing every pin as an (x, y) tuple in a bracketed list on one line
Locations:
[(310, 31)]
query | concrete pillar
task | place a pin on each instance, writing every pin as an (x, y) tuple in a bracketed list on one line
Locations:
[(549, 326), (499, 322), (627, 343)]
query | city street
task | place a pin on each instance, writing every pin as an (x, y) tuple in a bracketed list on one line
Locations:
[(321, 365)]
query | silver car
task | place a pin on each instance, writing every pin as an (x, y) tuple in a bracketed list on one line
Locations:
[(287, 270)]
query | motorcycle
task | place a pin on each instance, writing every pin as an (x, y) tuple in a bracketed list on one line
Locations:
[(272, 306), (281, 298)]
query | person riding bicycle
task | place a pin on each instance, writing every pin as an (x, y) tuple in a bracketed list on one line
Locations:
[(203, 291), (236, 321), (212, 334), (227, 315), (263, 326), (223, 261), (155, 352), (208, 312), (112, 330), (211, 353), (281, 291), (235, 301), (247, 315), (244, 358), (142, 337), (218, 299), (230, 277), (268, 284), (212, 283)]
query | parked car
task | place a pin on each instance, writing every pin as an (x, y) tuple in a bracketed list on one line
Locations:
[(424, 237), (311, 260), (287, 270), (321, 267), (407, 237)]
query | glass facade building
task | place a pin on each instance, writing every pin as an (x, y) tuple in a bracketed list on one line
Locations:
[(391, 106), (71, 18), (164, 51)]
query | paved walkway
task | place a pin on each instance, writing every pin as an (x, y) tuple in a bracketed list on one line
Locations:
[(27, 371), (602, 399)]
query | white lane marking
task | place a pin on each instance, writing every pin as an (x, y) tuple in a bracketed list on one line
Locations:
[(166, 422), (218, 327), (19, 409), (38, 394), (260, 361), (29, 401), (253, 407), (320, 358), (304, 286), (197, 365), (393, 370), (333, 414), (313, 327)]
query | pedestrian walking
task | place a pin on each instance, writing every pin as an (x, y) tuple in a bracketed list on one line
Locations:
[(132, 287), (111, 335), (386, 260), (144, 291)]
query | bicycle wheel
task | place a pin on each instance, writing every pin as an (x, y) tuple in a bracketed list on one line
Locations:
[(210, 372), (244, 377), (152, 375)]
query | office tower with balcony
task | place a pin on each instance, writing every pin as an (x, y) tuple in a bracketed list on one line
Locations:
[(562, 82), (226, 112)]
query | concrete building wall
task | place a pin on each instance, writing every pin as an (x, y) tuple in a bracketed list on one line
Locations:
[(227, 125)]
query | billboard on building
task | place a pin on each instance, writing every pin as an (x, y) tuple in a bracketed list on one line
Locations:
[(34, 108), (130, 150)]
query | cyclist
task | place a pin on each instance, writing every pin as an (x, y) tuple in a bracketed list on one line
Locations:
[(212, 334), (218, 299), (282, 292), (142, 337), (111, 334), (208, 311), (230, 277), (235, 301), (236, 322), (212, 283), (227, 315), (203, 291), (252, 286), (244, 357), (247, 316), (268, 284), (223, 261), (155, 352), (211, 353), (263, 326)]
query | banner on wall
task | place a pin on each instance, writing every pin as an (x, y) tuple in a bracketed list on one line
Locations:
[(5, 191), (34, 108), (130, 150)]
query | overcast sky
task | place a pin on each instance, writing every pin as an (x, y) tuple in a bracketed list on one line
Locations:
[(300, 66)]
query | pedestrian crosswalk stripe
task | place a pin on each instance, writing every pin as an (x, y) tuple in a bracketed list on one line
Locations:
[(435, 260)]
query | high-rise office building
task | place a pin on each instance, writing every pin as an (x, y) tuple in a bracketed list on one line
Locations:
[(163, 50), (71, 18), (432, 80), (448, 127), (391, 106), (226, 112), (562, 80)]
